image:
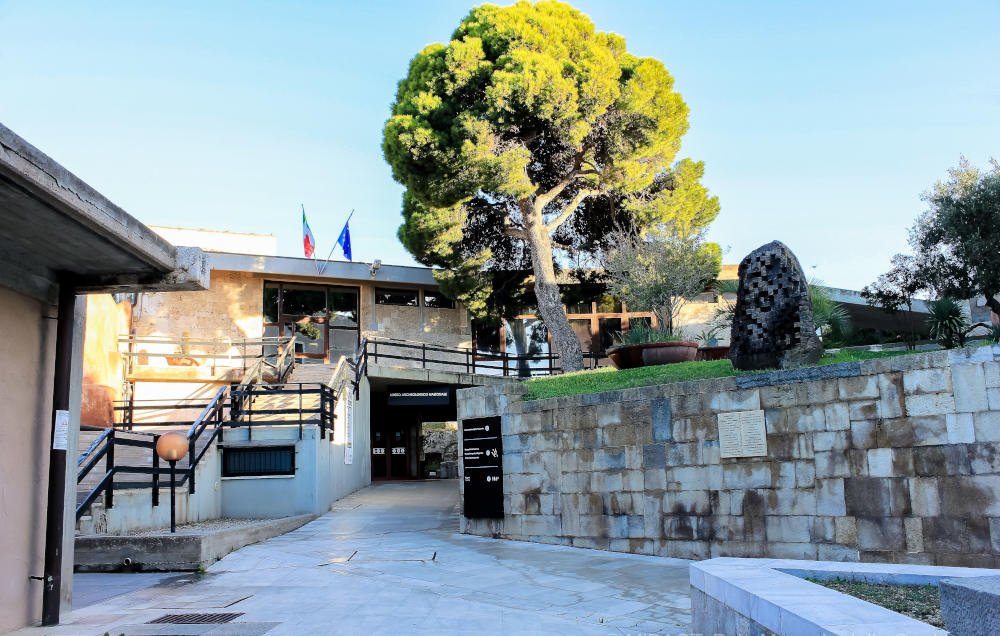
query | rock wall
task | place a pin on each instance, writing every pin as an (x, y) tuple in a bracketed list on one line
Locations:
[(893, 460)]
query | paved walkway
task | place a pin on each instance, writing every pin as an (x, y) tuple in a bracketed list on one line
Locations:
[(389, 559)]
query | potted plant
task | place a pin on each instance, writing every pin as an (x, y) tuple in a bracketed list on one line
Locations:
[(708, 345), (659, 272)]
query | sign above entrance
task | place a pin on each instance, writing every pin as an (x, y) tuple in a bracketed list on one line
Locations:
[(419, 396), (482, 464)]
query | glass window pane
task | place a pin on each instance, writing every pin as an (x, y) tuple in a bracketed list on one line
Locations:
[(580, 307), (270, 302), (437, 300), (343, 307), (303, 301), (487, 337), (404, 297), (608, 328), (582, 329), (608, 304)]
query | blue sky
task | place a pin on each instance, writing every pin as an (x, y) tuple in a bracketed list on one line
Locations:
[(819, 123)]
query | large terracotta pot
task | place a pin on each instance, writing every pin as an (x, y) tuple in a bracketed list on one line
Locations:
[(648, 354), (720, 352)]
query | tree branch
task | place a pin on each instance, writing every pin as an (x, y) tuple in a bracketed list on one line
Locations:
[(570, 208)]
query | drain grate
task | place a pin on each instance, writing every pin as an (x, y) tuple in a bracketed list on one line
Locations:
[(196, 619)]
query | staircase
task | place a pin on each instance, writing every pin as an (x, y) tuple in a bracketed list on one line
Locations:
[(321, 373)]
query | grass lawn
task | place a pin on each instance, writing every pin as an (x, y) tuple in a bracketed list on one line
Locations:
[(916, 601), (608, 378)]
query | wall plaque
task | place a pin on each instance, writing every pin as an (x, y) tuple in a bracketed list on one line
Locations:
[(482, 455), (742, 434), (419, 396)]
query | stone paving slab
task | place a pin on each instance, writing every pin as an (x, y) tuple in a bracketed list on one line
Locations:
[(416, 574)]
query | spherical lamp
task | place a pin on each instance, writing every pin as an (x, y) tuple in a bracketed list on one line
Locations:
[(171, 447)]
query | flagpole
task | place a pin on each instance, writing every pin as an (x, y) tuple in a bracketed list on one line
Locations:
[(315, 262), (327, 262)]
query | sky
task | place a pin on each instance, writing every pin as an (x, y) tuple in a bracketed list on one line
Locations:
[(820, 124)]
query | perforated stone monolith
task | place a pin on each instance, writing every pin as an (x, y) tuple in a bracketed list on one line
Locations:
[(773, 326)]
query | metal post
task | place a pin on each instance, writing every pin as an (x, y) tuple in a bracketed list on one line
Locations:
[(55, 509), (109, 467), (191, 465), (423, 355), (156, 473), (300, 410), (173, 503)]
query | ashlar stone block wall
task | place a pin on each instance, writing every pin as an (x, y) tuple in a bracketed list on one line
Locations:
[(888, 460)]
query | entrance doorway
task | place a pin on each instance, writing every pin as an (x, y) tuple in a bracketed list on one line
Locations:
[(397, 415), (323, 317)]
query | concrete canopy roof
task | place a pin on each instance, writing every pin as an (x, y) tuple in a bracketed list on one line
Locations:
[(56, 228)]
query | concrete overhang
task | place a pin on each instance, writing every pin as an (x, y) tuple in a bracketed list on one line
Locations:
[(334, 271), (54, 228)]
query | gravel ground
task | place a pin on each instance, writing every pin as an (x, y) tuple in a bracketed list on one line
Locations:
[(200, 527), (916, 601)]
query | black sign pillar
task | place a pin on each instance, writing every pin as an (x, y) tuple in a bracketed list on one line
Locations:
[(482, 459)]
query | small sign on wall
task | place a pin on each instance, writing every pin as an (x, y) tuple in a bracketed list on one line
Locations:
[(742, 434)]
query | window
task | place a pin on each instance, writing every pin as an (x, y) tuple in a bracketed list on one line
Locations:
[(608, 304), (437, 300), (303, 300), (486, 337), (608, 328), (403, 297), (270, 302), (258, 461), (343, 307)]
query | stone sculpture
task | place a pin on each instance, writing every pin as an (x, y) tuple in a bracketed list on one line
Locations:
[(773, 323)]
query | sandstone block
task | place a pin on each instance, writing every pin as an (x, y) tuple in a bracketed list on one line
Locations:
[(830, 497), (832, 464), (987, 426), (993, 398), (782, 550), (791, 502), (960, 428), (783, 474), (833, 552), (805, 474), (746, 475), (862, 434), (743, 400), (914, 530), (846, 531), (660, 417), (930, 404), (930, 461), (933, 380), (929, 430), (863, 410), (984, 458), (655, 479), (880, 462), (858, 387), (819, 392), (881, 534), (687, 502), (778, 396), (890, 388), (797, 529), (991, 372), (837, 416), (970, 496), (969, 382)]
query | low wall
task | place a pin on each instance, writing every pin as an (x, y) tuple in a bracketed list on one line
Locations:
[(891, 460)]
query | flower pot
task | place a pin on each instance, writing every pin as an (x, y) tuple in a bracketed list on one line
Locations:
[(720, 352), (648, 354)]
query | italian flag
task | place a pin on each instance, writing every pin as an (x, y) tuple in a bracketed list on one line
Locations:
[(308, 241)]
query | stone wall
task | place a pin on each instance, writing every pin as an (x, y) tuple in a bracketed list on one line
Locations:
[(231, 308), (894, 460)]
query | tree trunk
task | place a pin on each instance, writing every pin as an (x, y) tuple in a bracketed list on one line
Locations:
[(547, 291), (992, 303)]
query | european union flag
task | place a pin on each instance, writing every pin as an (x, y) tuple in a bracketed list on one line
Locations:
[(345, 239)]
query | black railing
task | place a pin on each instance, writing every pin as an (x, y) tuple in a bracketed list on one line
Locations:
[(243, 408), (421, 354)]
